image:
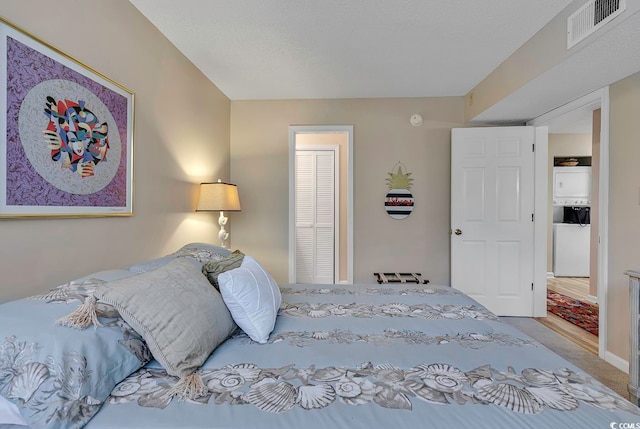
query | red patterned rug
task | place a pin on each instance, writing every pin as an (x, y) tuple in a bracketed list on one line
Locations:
[(580, 313)]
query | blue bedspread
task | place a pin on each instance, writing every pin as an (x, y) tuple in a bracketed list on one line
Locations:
[(375, 356)]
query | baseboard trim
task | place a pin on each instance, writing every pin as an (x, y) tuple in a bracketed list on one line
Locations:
[(616, 361), (550, 275), (592, 298)]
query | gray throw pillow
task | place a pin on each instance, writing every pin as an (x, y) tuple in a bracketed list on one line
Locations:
[(177, 312)]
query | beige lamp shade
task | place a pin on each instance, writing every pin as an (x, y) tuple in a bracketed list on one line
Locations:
[(218, 196)]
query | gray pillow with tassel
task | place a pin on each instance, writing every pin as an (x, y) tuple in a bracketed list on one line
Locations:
[(179, 315)]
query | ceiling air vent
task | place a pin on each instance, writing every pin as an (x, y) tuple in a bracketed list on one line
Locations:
[(590, 17)]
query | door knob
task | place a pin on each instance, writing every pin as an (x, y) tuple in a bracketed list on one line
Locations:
[(457, 232)]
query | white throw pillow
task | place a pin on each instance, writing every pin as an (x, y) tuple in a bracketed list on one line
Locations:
[(252, 297)]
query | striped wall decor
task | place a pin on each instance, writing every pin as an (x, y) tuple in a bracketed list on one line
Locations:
[(399, 203)]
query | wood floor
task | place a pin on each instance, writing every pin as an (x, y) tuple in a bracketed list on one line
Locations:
[(577, 288)]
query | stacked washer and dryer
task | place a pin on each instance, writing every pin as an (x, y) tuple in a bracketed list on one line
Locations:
[(571, 220)]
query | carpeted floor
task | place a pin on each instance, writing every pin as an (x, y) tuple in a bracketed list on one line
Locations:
[(582, 314), (602, 371)]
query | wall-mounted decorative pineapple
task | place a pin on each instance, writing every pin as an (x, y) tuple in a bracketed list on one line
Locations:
[(399, 202)]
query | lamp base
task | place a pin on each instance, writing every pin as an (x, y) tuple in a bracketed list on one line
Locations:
[(222, 235)]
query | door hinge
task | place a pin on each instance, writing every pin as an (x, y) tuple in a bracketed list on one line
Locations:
[(533, 147), (532, 217)]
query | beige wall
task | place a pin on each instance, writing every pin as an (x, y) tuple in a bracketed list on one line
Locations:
[(382, 137), (561, 145), (181, 138), (624, 207)]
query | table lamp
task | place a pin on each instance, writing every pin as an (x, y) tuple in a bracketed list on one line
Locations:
[(222, 197)]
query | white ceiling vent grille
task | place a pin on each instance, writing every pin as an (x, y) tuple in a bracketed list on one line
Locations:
[(590, 17)]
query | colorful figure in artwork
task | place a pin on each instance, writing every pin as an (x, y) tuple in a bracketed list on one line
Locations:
[(75, 136)]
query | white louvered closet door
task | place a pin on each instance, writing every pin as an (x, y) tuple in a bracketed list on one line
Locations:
[(315, 216)]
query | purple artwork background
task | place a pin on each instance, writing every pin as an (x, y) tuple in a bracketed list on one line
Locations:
[(26, 68)]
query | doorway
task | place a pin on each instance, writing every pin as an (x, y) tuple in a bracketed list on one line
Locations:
[(589, 114), (338, 246), (317, 214), (571, 288)]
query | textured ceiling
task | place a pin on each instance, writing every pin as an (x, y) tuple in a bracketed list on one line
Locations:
[(295, 49)]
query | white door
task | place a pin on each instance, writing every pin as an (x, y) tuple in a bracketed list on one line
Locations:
[(492, 206), (315, 216)]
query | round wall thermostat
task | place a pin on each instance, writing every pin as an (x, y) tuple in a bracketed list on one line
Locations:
[(416, 120)]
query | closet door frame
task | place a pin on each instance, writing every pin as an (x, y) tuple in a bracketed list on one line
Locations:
[(323, 129)]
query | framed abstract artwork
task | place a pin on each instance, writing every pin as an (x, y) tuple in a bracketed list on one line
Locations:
[(67, 145)]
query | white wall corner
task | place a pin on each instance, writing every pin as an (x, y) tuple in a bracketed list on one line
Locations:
[(550, 274)]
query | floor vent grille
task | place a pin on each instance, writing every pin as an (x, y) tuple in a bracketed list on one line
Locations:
[(590, 17)]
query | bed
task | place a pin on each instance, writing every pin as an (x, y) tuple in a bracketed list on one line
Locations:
[(370, 356)]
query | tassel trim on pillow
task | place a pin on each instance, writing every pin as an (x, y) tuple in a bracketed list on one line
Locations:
[(189, 387), (83, 316)]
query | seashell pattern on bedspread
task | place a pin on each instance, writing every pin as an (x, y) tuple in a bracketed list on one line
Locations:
[(391, 337), (278, 390), (370, 291), (394, 309), (375, 357)]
